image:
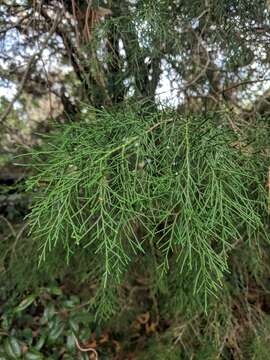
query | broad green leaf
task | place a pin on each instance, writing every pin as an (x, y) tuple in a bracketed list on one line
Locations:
[(55, 290), (25, 303), (27, 335), (75, 299), (74, 325), (34, 355), (56, 331), (6, 322), (84, 356), (71, 345), (48, 314), (69, 303), (12, 348), (40, 342)]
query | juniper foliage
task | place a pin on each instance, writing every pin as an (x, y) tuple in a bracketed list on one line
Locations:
[(127, 186)]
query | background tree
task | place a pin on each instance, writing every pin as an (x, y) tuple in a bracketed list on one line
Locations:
[(149, 191), (210, 52)]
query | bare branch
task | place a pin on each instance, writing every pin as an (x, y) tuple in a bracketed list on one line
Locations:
[(89, 349), (247, 82), (31, 62)]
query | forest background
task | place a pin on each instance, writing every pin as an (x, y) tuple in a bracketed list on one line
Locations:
[(134, 179)]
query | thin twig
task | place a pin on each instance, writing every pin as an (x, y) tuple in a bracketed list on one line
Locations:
[(9, 225), (205, 66), (31, 62), (75, 22), (246, 82), (89, 349), (18, 236), (88, 14), (268, 188)]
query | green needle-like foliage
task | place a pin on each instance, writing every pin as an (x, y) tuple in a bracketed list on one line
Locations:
[(125, 185)]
